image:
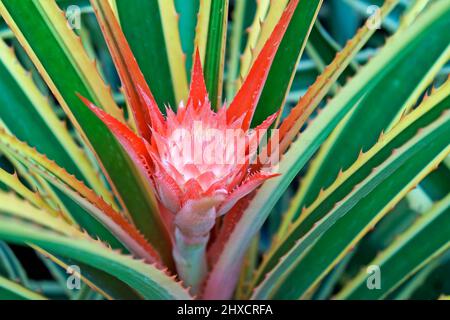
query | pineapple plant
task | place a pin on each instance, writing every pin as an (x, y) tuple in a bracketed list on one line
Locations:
[(118, 176)]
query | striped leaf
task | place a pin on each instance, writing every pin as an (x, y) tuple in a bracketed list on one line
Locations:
[(425, 240), (146, 279), (63, 63)]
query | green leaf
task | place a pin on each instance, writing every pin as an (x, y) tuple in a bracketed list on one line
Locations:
[(254, 31), (376, 113), (248, 267), (412, 12), (23, 104), (326, 288), (406, 290), (215, 51), (390, 226), (202, 27), (314, 95), (435, 284), (109, 286), (139, 18), (58, 274), (437, 184), (49, 288), (119, 232), (425, 240), (76, 212), (323, 49), (174, 51), (102, 282), (146, 279), (304, 148), (12, 267), (187, 11), (235, 46), (285, 63), (362, 168), (314, 255), (61, 60), (19, 110), (12, 291)]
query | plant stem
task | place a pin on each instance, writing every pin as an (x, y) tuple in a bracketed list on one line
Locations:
[(190, 260)]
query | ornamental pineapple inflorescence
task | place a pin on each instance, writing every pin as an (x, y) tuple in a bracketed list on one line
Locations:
[(165, 190)]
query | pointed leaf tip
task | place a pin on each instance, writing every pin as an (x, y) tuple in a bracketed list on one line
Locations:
[(152, 112), (198, 93), (133, 144), (130, 74), (248, 96)]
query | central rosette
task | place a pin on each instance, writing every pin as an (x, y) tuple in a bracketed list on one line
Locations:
[(203, 161)]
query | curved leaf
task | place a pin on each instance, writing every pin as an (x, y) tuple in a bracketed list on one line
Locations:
[(146, 279), (11, 265), (351, 178), (249, 55), (423, 241), (10, 290), (285, 63), (376, 113), (42, 30), (300, 152), (144, 17), (187, 11), (313, 256), (23, 103), (105, 221), (215, 51), (369, 117)]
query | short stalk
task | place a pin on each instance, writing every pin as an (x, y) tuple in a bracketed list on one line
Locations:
[(190, 258)]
